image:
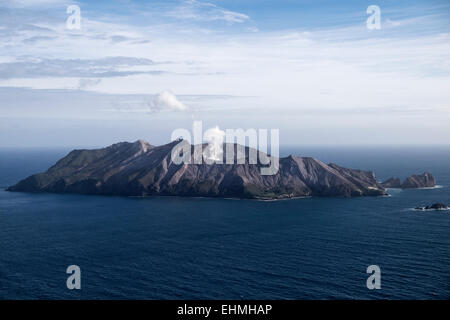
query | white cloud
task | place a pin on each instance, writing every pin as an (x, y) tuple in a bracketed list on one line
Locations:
[(205, 11), (33, 3), (393, 23), (84, 84), (26, 67), (167, 101), (291, 75)]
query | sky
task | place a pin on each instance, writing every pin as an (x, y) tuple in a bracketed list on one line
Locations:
[(141, 69)]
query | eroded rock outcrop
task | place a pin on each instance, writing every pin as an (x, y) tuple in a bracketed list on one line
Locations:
[(425, 180)]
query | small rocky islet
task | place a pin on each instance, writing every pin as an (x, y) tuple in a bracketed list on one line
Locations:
[(435, 206), (425, 180)]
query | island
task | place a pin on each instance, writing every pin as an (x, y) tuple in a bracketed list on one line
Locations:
[(435, 206), (425, 180), (141, 169)]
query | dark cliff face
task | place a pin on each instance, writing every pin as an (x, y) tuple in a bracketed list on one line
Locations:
[(140, 169), (425, 180), (392, 183)]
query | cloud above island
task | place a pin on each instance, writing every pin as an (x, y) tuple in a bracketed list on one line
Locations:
[(205, 11), (287, 67), (166, 101)]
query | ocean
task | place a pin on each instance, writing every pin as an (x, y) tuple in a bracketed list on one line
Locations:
[(199, 248)]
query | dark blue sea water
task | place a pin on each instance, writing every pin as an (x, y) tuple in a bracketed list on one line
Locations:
[(179, 248)]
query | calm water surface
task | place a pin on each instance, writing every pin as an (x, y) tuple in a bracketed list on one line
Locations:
[(179, 248)]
